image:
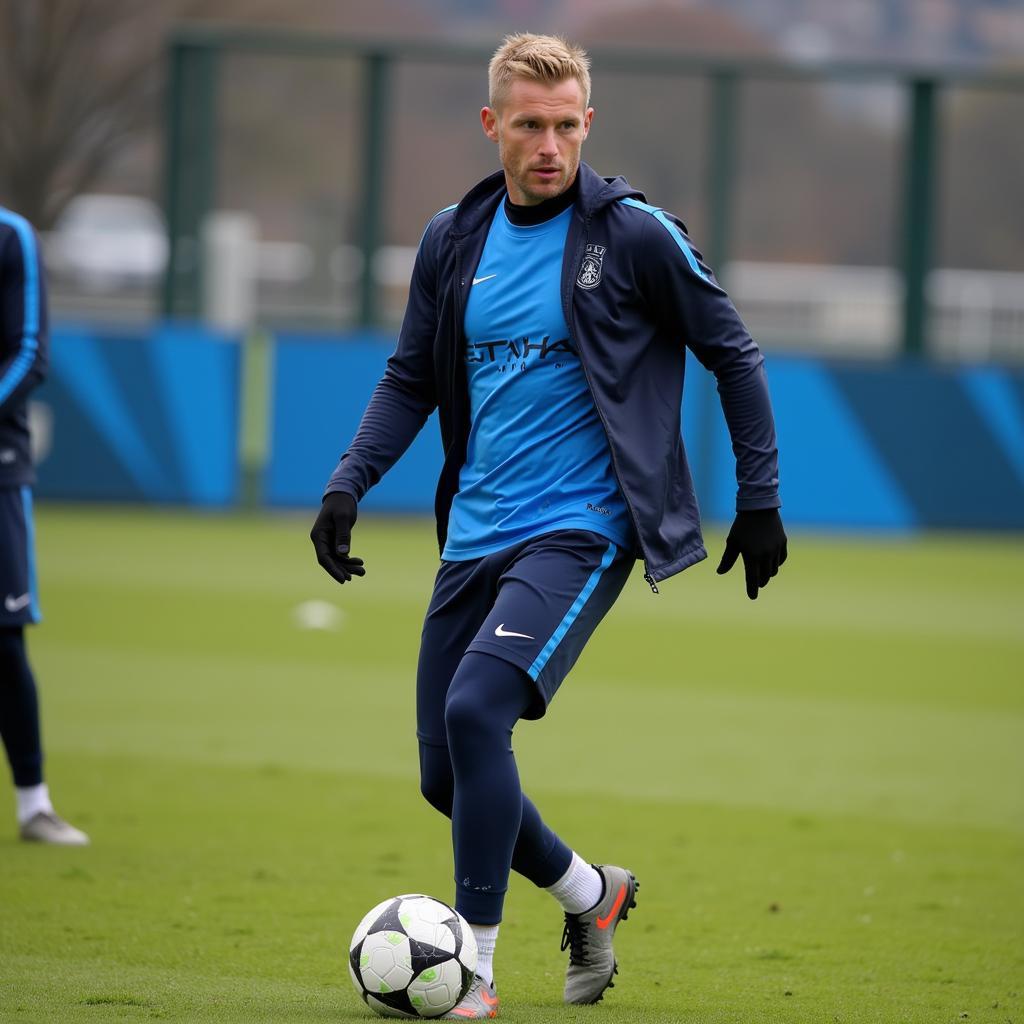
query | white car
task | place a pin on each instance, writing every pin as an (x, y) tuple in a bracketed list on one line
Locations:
[(105, 242)]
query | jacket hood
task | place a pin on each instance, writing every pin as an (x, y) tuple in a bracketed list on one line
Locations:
[(482, 199)]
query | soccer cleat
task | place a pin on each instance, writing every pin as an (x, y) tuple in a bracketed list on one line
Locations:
[(47, 827), (588, 937), (480, 1002)]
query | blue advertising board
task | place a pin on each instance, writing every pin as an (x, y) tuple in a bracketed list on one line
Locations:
[(321, 387), (862, 445), (151, 417)]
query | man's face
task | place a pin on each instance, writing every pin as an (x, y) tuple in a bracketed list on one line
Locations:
[(539, 130)]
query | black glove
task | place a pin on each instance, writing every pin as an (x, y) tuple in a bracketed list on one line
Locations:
[(758, 536), (332, 534)]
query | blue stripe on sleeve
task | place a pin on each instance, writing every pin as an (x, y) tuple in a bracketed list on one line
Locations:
[(30, 318), (571, 615), (677, 236), (432, 219)]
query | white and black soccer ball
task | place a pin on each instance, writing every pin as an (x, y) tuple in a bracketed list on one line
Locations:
[(412, 956)]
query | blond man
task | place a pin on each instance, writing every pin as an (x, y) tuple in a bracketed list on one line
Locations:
[(548, 317)]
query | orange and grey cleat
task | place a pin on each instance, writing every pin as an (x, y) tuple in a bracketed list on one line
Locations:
[(479, 1003), (588, 937)]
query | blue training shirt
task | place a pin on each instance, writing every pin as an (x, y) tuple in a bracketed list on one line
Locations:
[(537, 458)]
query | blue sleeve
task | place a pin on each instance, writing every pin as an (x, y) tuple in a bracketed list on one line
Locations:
[(683, 293), (405, 396), (24, 344)]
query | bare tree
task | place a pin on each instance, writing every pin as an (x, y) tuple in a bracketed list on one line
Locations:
[(82, 79), (78, 78)]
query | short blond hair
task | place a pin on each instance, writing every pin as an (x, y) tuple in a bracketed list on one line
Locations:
[(547, 59)]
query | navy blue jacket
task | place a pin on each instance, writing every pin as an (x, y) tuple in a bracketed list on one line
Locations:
[(635, 294), (24, 351)]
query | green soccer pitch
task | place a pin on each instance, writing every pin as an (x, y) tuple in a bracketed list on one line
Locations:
[(822, 792)]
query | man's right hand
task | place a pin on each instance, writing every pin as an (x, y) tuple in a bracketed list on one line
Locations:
[(332, 534)]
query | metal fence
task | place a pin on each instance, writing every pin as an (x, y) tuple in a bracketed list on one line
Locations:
[(905, 304)]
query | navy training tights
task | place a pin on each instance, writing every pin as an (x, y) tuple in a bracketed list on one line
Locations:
[(19, 710), (475, 782)]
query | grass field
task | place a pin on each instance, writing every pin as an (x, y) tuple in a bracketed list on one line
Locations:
[(821, 792)]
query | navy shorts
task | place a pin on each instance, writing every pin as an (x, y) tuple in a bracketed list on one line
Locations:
[(19, 599), (534, 604)]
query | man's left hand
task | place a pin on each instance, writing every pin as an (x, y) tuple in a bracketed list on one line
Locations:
[(758, 536)]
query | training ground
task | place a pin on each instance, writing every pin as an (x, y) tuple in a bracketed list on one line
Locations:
[(822, 792)]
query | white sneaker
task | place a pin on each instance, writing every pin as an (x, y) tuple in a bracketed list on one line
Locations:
[(47, 827)]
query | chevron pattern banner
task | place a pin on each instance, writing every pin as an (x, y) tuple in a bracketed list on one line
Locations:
[(150, 418), (887, 446)]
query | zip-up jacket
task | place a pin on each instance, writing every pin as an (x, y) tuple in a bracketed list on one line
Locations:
[(24, 349), (635, 294)]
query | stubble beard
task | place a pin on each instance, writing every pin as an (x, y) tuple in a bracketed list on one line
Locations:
[(520, 177)]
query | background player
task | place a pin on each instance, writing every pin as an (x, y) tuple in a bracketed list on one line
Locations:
[(23, 360), (546, 322)]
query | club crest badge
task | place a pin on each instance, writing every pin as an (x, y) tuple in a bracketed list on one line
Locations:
[(590, 269)]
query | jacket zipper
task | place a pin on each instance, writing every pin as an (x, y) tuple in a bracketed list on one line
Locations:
[(453, 371), (567, 312), (460, 315)]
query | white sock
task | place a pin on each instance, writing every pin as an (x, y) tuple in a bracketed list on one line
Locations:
[(32, 800), (580, 888), (486, 936)]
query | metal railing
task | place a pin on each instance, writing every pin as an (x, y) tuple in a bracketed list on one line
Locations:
[(195, 54)]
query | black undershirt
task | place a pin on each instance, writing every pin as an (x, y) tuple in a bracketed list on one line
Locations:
[(526, 216)]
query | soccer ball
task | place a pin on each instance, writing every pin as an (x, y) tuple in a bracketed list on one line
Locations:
[(412, 956)]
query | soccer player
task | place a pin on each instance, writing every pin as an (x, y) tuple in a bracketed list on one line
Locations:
[(23, 360), (548, 317)]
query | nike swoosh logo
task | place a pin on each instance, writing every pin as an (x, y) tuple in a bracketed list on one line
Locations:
[(15, 604), (488, 998), (502, 631), (603, 922), (479, 280)]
